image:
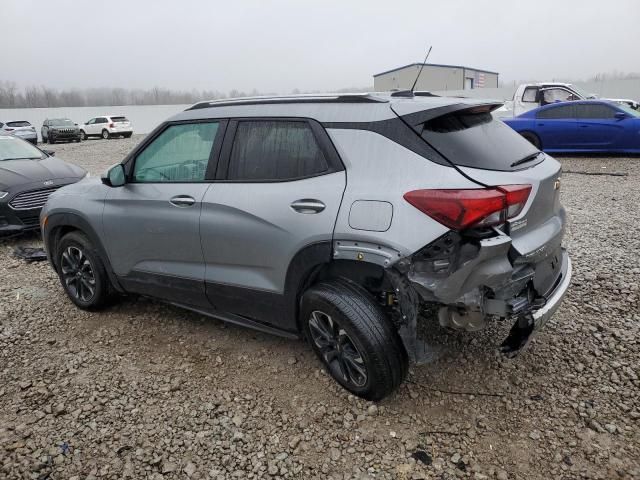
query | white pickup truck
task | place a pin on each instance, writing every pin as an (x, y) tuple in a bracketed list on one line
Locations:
[(533, 95)]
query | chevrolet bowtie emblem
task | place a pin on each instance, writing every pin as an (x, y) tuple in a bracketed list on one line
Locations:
[(556, 184)]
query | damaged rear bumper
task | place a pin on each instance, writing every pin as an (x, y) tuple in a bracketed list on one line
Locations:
[(480, 280), (542, 315)]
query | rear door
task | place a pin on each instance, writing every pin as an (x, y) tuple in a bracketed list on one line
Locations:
[(598, 127), (557, 127), (278, 191), (152, 223)]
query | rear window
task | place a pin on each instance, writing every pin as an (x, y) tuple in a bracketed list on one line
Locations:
[(21, 123), (477, 140), (119, 119)]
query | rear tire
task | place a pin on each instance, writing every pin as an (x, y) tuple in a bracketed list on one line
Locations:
[(105, 134), (127, 135), (82, 273), (533, 139), (353, 338)]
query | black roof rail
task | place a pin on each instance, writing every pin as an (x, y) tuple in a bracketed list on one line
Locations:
[(338, 98)]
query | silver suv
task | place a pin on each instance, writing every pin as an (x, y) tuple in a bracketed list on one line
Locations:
[(352, 220)]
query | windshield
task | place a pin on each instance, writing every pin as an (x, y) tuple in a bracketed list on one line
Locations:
[(12, 148), (61, 122), (628, 110), (583, 93), (18, 124)]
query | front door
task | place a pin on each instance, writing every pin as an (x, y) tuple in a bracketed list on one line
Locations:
[(598, 127), (152, 223), (90, 127), (279, 193), (556, 126)]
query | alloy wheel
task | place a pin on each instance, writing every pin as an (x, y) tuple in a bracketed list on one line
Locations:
[(337, 349), (77, 273)]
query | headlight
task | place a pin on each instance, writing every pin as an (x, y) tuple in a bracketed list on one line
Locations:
[(3, 194)]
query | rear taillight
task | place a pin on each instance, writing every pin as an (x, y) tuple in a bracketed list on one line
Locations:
[(111, 125), (464, 208), (9, 129)]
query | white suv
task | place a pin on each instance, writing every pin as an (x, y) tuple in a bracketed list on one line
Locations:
[(107, 126)]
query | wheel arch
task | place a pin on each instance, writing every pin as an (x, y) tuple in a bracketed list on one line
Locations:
[(59, 224)]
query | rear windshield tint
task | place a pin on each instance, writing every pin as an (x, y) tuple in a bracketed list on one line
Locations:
[(477, 140), (119, 119), (18, 124)]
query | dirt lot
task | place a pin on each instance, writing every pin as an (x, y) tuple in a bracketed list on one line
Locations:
[(145, 390)]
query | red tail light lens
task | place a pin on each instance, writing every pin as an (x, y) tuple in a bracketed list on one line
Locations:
[(111, 125), (8, 129), (465, 208)]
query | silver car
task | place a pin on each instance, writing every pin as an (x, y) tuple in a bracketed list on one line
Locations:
[(21, 129), (354, 221)]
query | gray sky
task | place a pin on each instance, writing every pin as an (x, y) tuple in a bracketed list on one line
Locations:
[(275, 46)]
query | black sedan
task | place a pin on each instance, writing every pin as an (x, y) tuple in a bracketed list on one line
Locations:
[(28, 176)]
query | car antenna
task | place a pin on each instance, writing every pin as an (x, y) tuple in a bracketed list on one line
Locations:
[(420, 71), (409, 93)]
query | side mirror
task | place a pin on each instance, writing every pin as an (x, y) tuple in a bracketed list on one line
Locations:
[(621, 115), (51, 153), (114, 177)]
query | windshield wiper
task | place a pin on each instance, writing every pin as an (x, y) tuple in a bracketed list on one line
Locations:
[(526, 159)]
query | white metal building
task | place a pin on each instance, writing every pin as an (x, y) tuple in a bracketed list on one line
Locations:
[(435, 77)]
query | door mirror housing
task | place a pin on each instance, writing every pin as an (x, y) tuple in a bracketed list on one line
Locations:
[(621, 115), (115, 176)]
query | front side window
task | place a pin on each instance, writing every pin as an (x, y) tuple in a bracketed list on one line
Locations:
[(595, 111), (179, 154), (562, 112), (275, 150)]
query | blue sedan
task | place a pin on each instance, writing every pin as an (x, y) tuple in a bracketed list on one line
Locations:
[(581, 126)]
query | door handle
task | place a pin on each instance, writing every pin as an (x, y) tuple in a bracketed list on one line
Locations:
[(308, 205), (182, 201)]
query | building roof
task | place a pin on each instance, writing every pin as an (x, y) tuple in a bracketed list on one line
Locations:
[(434, 65)]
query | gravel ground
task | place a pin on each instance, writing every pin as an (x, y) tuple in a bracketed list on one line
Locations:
[(145, 390)]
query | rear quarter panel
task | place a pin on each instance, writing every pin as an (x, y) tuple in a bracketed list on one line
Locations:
[(381, 170)]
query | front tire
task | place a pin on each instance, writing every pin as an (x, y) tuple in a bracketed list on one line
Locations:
[(105, 134), (83, 135), (353, 338), (51, 140), (82, 272)]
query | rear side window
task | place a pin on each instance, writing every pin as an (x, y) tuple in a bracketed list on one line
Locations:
[(557, 113), (179, 154), (476, 139), (18, 124), (275, 150), (595, 111)]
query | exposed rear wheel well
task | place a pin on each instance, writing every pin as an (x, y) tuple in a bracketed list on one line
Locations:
[(369, 276)]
